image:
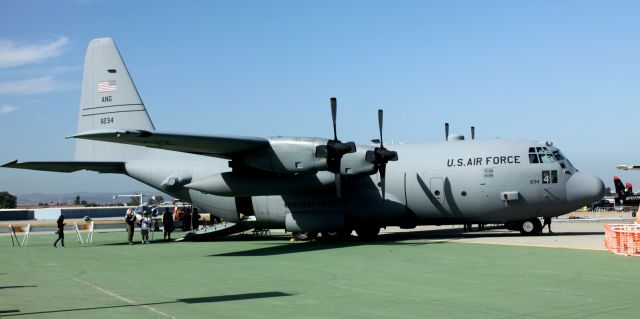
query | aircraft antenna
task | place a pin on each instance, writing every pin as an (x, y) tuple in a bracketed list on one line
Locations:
[(473, 132), (446, 131)]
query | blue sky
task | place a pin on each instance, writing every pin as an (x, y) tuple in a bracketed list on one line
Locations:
[(565, 71)]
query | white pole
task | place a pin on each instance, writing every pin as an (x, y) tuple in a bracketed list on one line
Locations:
[(78, 233), (11, 234), (90, 234)]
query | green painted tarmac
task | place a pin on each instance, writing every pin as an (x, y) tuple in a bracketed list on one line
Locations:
[(245, 277)]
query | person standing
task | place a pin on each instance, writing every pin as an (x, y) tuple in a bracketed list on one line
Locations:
[(145, 226), (186, 220), (196, 219), (130, 218), (167, 222), (547, 222), (60, 231)]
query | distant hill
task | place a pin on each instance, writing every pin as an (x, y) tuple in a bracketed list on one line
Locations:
[(98, 198)]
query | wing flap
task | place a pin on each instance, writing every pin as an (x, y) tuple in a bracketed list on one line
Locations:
[(68, 167), (210, 145)]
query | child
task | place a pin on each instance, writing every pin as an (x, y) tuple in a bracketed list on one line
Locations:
[(145, 226)]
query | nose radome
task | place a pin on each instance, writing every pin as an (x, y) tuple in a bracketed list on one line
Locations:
[(584, 188)]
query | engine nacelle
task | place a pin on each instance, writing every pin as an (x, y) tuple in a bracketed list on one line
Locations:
[(175, 180), (233, 184), (356, 164), (289, 155)]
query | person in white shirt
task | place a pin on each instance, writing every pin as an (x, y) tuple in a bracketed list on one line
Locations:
[(145, 226)]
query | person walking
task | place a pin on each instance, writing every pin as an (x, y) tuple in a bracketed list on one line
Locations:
[(130, 219), (145, 226), (60, 231), (167, 222)]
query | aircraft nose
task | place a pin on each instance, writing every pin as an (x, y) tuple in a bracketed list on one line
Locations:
[(584, 188)]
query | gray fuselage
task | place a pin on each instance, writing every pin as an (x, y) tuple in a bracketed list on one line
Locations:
[(453, 182)]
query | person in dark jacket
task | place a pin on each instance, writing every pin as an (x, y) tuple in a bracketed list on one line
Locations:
[(195, 218), (186, 220), (130, 218), (60, 231), (547, 222), (167, 222)]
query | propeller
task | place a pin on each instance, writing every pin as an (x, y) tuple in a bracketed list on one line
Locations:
[(380, 156), (446, 131), (334, 150)]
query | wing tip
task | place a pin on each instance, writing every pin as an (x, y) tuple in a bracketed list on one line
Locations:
[(10, 164), (628, 167)]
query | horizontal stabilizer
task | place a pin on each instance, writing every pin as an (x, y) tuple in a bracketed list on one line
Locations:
[(217, 146), (68, 167)]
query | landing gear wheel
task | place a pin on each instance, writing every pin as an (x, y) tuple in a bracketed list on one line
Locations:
[(367, 232), (304, 236), (531, 226), (336, 235)]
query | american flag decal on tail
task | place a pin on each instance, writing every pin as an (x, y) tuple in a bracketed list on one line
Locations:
[(106, 86)]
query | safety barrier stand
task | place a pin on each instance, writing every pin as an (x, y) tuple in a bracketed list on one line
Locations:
[(78, 233), (13, 235), (90, 234), (26, 235), (622, 239)]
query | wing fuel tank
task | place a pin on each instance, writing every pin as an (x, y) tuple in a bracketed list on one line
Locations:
[(232, 184)]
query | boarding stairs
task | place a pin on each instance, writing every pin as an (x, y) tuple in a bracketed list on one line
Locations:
[(220, 230)]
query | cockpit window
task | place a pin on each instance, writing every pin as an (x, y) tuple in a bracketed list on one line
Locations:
[(558, 155), (541, 155)]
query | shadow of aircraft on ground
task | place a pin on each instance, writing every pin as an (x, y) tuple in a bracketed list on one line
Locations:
[(197, 300)]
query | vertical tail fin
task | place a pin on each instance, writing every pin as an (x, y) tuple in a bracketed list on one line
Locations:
[(109, 100), (619, 189)]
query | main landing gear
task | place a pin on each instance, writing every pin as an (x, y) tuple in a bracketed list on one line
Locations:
[(531, 226), (304, 236)]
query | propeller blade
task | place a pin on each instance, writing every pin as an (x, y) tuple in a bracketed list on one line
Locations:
[(334, 110), (338, 186), (380, 126), (383, 173)]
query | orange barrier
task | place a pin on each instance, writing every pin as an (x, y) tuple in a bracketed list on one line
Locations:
[(622, 239)]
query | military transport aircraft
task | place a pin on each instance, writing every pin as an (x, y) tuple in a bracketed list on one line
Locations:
[(312, 185)]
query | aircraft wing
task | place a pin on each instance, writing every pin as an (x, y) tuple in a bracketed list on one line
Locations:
[(628, 167), (68, 167), (210, 145)]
